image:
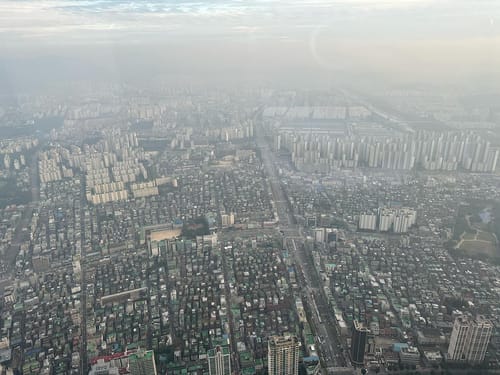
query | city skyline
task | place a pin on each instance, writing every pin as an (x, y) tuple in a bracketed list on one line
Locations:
[(250, 187)]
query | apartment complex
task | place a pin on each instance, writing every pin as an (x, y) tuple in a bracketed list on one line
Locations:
[(283, 355), (470, 338)]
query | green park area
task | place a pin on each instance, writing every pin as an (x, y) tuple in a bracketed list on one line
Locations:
[(195, 227), (11, 194), (477, 230)]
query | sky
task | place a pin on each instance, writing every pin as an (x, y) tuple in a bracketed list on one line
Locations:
[(395, 40)]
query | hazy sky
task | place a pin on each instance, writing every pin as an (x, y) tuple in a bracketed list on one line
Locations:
[(407, 40)]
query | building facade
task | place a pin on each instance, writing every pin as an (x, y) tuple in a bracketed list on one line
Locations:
[(358, 343), (283, 355), (142, 362), (469, 339), (219, 361)]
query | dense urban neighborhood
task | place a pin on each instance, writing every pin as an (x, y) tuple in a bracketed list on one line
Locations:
[(258, 232)]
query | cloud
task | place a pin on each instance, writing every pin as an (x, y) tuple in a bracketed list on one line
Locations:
[(230, 39), (118, 20)]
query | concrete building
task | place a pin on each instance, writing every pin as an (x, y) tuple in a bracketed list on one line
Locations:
[(385, 221), (142, 362), (104, 368), (283, 355), (227, 220), (41, 263), (469, 339), (219, 361), (397, 219), (358, 343), (409, 355), (368, 222)]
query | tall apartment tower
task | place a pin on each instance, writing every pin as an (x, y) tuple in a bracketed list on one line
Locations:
[(142, 362), (283, 355), (219, 361), (358, 343), (470, 338)]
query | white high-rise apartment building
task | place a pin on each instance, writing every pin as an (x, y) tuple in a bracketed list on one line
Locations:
[(368, 221), (470, 338), (219, 361), (283, 355)]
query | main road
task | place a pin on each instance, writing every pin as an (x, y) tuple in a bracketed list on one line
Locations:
[(320, 317), (84, 361)]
